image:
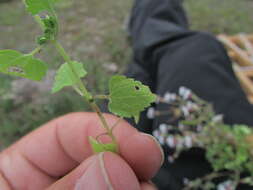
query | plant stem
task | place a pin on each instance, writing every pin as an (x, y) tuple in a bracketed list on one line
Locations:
[(39, 21), (88, 97), (68, 60), (79, 87), (103, 97), (35, 51), (102, 118)]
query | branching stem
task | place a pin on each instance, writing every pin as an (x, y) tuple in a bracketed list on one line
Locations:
[(79, 87), (88, 97)]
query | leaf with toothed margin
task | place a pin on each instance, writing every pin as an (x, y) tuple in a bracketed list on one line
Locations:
[(16, 64), (128, 98), (65, 77)]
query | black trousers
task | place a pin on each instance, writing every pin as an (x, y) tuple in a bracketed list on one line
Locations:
[(168, 55)]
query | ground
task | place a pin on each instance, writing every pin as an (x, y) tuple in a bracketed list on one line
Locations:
[(93, 33)]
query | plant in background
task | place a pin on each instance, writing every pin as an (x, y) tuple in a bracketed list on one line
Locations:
[(127, 97), (228, 148)]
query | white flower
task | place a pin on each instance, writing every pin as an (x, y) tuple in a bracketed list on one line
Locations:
[(191, 106), (185, 93), (171, 159), (188, 141), (156, 134), (227, 185), (171, 141), (163, 128), (170, 97), (185, 111), (161, 140), (182, 90), (151, 113)]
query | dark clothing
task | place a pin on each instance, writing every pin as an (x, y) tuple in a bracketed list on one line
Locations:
[(168, 55)]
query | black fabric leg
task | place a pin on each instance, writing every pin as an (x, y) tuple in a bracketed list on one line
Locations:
[(166, 56), (200, 62)]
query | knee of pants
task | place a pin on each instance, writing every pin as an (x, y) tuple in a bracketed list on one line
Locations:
[(196, 58), (207, 42), (196, 50)]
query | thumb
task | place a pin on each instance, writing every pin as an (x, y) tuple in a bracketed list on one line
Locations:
[(104, 171)]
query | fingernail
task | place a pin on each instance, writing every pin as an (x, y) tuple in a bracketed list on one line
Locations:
[(158, 145), (95, 176)]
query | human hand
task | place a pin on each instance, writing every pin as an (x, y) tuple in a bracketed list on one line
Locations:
[(57, 156)]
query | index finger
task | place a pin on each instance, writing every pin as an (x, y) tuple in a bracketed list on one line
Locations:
[(60, 145)]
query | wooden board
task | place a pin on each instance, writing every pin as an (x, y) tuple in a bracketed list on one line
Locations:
[(240, 50)]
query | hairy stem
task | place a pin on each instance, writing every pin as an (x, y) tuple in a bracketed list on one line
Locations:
[(39, 21), (80, 88), (102, 97), (35, 51), (88, 97), (68, 60)]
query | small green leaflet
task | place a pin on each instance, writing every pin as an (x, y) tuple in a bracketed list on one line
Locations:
[(99, 147), (16, 64), (37, 6), (128, 97), (65, 77)]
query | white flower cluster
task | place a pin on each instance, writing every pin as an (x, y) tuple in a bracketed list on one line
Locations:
[(188, 108), (174, 137), (170, 140), (227, 185), (185, 93), (151, 113), (169, 97)]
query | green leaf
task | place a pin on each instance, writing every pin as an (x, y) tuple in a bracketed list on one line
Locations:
[(37, 6), (16, 64), (6, 57), (98, 147), (128, 97), (35, 69), (65, 76)]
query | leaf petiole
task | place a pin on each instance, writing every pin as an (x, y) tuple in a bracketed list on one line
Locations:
[(102, 97), (39, 21), (35, 51)]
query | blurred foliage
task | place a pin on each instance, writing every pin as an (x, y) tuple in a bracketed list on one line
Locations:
[(220, 16), (92, 33)]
